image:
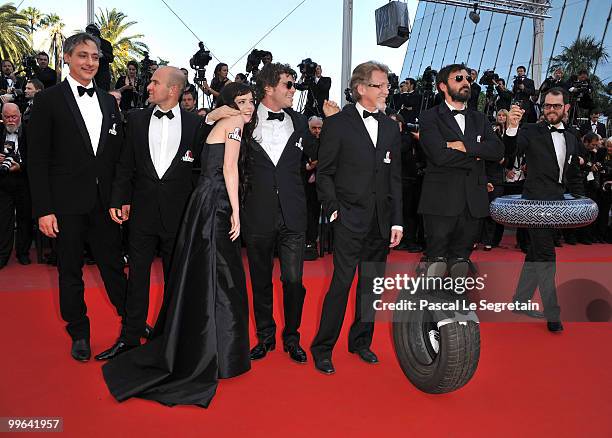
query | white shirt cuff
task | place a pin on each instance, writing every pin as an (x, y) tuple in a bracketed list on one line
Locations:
[(207, 122), (511, 132), (398, 228), (333, 216)]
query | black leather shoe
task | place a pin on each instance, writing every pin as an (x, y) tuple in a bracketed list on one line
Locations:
[(115, 350), (366, 355), (554, 326), (24, 260), (296, 353), (81, 350), (148, 332), (325, 366), (529, 313), (261, 349)]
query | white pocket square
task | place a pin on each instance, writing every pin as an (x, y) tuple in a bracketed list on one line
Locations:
[(112, 131), (478, 139), (188, 156), (298, 144)]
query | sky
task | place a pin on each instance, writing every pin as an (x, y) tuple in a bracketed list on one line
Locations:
[(229, 30)]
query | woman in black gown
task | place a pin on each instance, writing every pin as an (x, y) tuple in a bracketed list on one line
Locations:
[(202, 330)]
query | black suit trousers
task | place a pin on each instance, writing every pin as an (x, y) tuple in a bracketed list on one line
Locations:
[(103, 235), (450, 236), (313, 211), (143, 243), (351, 250), (15, 207), (539, 271), (260, 252)]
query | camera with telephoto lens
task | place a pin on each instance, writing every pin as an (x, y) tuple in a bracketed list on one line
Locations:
[(429, 76), (393, 82), (198, 62), (254, 59), (488, 78), (307, 69), (11, 157)]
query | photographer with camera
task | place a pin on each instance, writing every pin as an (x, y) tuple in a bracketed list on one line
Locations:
[(317, 85), (219, 81), (43, 72), (408, 101), (504, 96), (522, 90), (103, 77), (472, 103), (15, 203), (127, 86), (593, 125), (581, 96), (554, 81), (11, 86), (594, 177)]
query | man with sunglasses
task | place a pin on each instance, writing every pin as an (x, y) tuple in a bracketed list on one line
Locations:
[(456, 141), (359, 183), (274, 212), (551, 150)]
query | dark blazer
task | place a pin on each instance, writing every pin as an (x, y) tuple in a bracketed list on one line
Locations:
[(137, 182), (65, 175), (454, 179), (320, 90), (474, 96), (542, 180), (354, 176), (23, 146), (585, 128), (269, 184)]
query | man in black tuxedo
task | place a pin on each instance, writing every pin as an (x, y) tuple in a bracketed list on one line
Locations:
[(593, 125), (151, 190), (318, 93), (550, 152), (15, 203), (472, 103), (43, 72), (359, 183), (74, 144), (274, 213), (408, 101), (456, 141)]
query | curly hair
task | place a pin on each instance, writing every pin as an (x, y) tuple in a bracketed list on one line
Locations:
[(227, 96), (269, 76)]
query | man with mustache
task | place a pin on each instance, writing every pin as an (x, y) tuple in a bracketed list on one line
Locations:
[(456, 141)]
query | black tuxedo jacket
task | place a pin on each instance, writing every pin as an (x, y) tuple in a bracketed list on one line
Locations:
[(354, 176), (153, 198), (542, 178), (474, 96), (269, 184), (320, 90), (47, 76), (65, 175), (585, 128), (454, 179)]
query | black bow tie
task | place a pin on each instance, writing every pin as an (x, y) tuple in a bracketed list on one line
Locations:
[(559, 130), (159, 114), (375, 115), (276, 116), (82, 90), (455, 112)]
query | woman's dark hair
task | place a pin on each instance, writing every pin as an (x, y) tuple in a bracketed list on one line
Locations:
[(227, 96), (132, 63), (217, 83), (242, 77)]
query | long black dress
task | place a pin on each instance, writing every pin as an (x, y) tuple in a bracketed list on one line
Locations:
[(202, 330)]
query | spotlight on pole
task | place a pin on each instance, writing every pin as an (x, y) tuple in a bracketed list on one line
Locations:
[(474, 14)]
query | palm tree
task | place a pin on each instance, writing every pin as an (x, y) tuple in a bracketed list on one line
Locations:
[(54, 25), (584, 53), (13, 33), (113, 27), (34, 18)]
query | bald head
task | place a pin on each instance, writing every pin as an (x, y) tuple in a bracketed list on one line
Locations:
[(11, 117), (166, 87)]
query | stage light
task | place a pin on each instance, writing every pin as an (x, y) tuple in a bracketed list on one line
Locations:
[(474, 14)]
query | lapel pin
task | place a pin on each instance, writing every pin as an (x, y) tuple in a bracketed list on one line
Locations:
[(112, 130), (387, 158), (299, 144)]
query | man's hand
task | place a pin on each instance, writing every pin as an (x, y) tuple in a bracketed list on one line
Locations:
[(221, 113), (311, 164), (330, 108), (396, 237), (120, 215), (580, 160), (48, 225), (456, 145), (489, 187), (510, 174), (15, 168), (415, 135), (515, 115), (2, 157)]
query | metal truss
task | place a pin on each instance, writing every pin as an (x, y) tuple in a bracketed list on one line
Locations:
[(522, 8)]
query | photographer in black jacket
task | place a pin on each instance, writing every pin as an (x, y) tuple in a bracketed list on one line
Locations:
[(43, 72)]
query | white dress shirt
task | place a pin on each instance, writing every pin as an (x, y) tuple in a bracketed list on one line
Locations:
[(460, 118), (90, 111), (164, 139), (370, 123), (272, 135)]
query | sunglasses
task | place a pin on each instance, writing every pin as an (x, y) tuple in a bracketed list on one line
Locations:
[(380, 86), (289, 84), (459, 78), (555, 106)]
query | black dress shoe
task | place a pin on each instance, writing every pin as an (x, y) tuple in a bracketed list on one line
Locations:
[(554, 326), (81, 350), (366, 355), (296, 353), (325, 366), (261, 349), (115, 350), (148, 332), (24, 260), (529, 313)]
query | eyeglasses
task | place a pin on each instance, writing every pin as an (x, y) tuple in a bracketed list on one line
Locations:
[(11, 117), (459, 78), (555, 106), (289, 84), (381, 86)]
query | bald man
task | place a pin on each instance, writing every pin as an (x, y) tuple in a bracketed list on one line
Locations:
[(151, 188)]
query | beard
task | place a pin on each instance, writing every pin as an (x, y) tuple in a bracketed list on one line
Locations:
[(460, 95), (11, 129), (381, 106), (553, 118)]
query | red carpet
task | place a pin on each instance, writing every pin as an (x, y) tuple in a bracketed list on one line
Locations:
[(529, 382)]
